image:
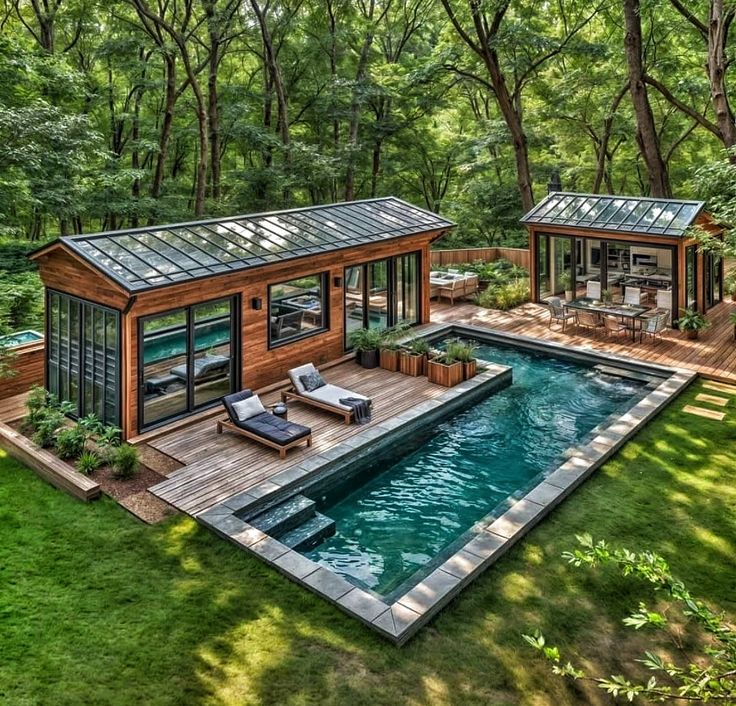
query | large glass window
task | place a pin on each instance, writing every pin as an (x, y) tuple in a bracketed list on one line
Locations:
[(297, 308), (187, 359), (382, 293), (84, 356), (554, 257)]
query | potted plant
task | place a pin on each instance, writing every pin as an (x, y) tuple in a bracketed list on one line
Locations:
[(365, 342), (565, 280), (413, 358), (465, 353), (606, 296), (692, 322), (445, 369), (389, 347)]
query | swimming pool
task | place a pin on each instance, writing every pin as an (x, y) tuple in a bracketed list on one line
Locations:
[(397, 517), (20, 338)]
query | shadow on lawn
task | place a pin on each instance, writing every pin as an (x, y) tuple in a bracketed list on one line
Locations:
[(174, 615)]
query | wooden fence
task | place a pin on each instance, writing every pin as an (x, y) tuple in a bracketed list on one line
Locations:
[(28, 363), (519, 256)]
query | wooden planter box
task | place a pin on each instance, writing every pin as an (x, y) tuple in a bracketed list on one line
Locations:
[(470, 369), (445, 375), (412, 364), (389, 359)]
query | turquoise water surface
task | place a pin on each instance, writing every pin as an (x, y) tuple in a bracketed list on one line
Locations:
[(396, 517)]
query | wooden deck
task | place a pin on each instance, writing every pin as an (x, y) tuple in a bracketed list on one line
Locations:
[(712, 355), (218, 466)]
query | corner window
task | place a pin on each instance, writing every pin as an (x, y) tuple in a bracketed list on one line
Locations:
[(297, 308)]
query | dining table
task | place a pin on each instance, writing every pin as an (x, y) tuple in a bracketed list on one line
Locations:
[(630, 312)]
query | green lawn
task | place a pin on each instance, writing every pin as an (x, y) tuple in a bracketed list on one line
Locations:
[(96, 608)]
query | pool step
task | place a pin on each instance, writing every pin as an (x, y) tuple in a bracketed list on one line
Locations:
[(285, 517), (627, 374), (309, 534)]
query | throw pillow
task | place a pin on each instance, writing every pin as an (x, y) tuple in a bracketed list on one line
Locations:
[(312, 381), (247, 408)]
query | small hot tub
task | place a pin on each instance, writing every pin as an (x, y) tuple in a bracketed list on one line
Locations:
[(21, 338)]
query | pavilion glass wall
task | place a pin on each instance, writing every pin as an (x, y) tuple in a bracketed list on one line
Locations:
[(83, 356)]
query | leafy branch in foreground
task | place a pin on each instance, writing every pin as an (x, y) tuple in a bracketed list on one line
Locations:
[(709, 677)]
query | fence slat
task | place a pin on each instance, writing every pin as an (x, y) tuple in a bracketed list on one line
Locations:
[(518, 256)]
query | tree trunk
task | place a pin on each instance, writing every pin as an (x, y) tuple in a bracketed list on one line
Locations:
[(355, 106), (166, 126), (718, 61), (646, 131)]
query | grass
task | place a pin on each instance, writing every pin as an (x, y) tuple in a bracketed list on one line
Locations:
[(98, 608)]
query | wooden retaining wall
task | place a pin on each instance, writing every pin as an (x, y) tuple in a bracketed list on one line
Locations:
[(46, 465), (28, 364), (519, 256)]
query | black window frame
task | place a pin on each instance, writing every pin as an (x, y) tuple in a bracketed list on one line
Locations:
[(324, 278), (82, 354), (392, 313), (235, 359)]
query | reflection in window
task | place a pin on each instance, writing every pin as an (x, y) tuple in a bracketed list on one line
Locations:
[(83, 356), (187, 359), (297, 308), (691, 276)]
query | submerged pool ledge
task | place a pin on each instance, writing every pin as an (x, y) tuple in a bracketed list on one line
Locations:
[(490, 538)]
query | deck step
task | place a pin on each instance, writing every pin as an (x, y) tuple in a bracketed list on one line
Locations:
[(627, 374), (285, 517), (310, 534)]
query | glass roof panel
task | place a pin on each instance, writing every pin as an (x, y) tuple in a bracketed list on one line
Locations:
[(148, 257), (613, 213)]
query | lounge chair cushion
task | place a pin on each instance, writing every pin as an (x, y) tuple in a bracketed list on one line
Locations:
[(274, 428), (296, 373), (311, 381), (247, 408), (206, 367), (331, 394)]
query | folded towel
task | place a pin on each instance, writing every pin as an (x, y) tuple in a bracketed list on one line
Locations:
[(361, 408)]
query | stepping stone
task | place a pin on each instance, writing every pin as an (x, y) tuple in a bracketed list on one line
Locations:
[(720, 387), (712, 399), (701, 412)]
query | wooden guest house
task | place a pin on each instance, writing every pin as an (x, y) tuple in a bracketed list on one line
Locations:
[(636, 249), (149, 325)]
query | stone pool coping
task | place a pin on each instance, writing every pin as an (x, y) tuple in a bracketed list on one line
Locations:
[(490, 538)]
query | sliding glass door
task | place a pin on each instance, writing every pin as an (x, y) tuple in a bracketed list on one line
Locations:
[(187, 359), (382, 293)]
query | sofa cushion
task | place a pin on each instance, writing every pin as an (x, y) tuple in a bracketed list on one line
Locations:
[(247, 408), (311, 381), (274, 428), (295, 373)]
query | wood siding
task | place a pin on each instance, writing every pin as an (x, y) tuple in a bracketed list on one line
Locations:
[(29, 364)]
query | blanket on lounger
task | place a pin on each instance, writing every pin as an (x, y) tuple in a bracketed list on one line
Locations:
[(361, 408)]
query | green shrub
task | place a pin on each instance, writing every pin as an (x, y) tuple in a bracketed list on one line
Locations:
[(124, 461), (21, 300), (506, 296), (36, 403), (109, 436), (729, 282), (88, 462), (47, 425), (70, 442)]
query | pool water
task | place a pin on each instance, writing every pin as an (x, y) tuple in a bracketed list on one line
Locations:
[(20, 337), (394, 518)]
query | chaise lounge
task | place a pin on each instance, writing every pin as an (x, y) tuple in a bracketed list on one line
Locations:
[(326, 396), (248, 417)]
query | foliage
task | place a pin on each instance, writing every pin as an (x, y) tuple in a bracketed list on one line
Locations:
[(565, 281), (47, 426), (70, 442), (691, 320), (21, 301), (710, 676), (365, 339), (451, 353), (465, 351), (417, 346), (36, 402), (124, 461), (390, 336), (7, 358), (505, 296), (88, 462)]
